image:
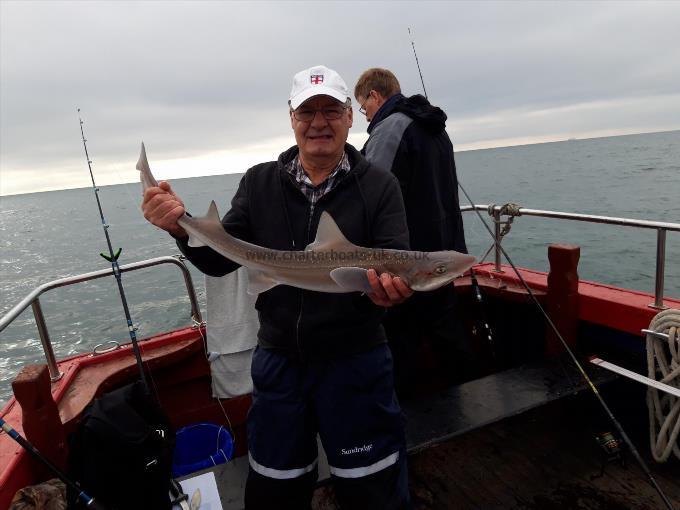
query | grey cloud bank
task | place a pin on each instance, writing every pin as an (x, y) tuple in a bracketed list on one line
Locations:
[(205, 84)]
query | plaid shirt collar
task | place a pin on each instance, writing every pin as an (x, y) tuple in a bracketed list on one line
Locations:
[(304, 183)]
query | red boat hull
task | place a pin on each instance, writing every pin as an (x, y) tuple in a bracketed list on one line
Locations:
[(180, 373)]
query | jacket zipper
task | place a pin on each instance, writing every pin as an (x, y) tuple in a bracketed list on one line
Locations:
[(302, 292), (310, 216)]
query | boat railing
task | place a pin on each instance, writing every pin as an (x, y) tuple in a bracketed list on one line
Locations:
[(497, 211), (33, 300)]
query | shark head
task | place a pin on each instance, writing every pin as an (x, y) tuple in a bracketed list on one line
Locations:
[(435, 269)]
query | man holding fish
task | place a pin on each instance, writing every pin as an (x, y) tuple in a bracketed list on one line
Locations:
[(322, 364)]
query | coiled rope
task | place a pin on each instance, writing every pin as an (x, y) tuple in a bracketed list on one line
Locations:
[(663, 364)]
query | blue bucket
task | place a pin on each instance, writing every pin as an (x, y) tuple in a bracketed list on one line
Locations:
[(200, 446)]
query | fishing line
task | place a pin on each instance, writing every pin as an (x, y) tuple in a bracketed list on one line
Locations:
[(571, 354), (113, 258), (127, 186), (26, 445), (484, 324), (199, 326)]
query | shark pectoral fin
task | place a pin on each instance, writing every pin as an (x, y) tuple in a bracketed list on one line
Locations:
[(329, 236), (352, 279), (259, 281)]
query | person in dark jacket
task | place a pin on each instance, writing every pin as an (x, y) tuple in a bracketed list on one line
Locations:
[(322, 364), (407, 136)]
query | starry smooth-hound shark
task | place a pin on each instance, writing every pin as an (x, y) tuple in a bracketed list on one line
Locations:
[(329, 264)]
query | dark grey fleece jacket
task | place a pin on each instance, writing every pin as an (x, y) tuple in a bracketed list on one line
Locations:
[(269, 210)]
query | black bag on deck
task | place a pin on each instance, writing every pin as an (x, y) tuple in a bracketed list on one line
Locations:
[(121, 453)]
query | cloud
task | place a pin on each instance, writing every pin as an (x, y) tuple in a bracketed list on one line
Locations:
[(578, 120), (204, 82)]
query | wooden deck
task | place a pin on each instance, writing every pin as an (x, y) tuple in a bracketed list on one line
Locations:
[(544, 459)]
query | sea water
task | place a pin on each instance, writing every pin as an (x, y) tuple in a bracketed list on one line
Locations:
[(50, 235)]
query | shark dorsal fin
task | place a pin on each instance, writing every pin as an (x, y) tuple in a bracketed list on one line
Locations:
[(212, 216), (213, 213), (329, 236)]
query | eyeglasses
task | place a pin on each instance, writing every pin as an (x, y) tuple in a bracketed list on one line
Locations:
[(362, 110), (304, 114)]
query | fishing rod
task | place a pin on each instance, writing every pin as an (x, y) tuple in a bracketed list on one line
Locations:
[(485, 328), (113, 258), (483, 322), (417, 63), (570, 352), (26, 445)]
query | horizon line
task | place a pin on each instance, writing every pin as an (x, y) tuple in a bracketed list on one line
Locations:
[(560, 140)]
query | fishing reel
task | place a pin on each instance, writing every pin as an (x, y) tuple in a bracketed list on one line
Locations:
[(611, 450)]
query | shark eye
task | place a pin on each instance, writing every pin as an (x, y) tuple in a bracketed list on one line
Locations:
[(440, 269)]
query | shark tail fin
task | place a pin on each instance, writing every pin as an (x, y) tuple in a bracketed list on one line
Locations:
[(147, 178)]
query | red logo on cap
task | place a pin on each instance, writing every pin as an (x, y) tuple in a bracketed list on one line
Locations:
[(316, 79)]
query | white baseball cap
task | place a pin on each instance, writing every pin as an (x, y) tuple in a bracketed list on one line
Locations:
[(317, 81)]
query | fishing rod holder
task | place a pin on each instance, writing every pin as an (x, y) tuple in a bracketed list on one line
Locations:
[(661, 228), (497, 212), (33, 301)]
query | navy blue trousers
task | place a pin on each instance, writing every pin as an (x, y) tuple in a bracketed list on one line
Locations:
[(350, 403)]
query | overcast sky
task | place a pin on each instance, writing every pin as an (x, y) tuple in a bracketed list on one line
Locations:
[(205, 84)]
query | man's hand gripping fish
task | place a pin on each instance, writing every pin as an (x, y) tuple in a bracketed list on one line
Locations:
[(330, 264)]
